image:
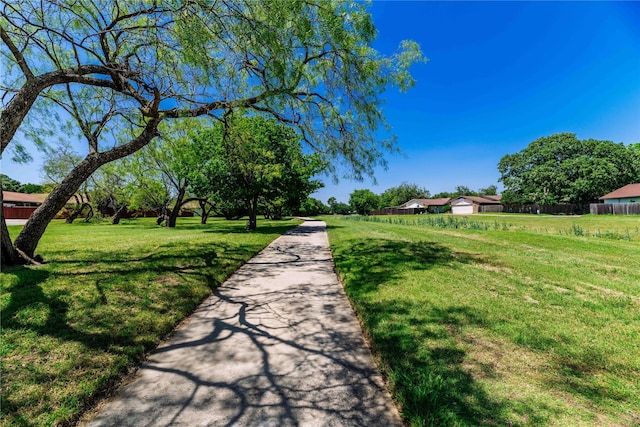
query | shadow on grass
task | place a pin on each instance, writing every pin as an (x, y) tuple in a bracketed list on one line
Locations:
[(419, 344), (116, 302), (369, 263), (427, 365), (99, 275)]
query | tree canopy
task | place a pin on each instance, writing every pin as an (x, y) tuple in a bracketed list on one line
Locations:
[(363, 201), (395, 196), (563, 169), (111, 66), (252, 161)]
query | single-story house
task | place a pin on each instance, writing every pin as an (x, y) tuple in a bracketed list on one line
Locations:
[(466, 205), (627, 194), (20, 205), (10, 198), (432, 205)]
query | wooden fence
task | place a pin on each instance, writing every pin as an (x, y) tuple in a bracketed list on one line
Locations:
[(398, 211), (615, 208), (490, 208), (533, 208), (18, 212)]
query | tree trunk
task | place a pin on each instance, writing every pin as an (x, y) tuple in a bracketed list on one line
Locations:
[(171, 222), (28, 239), (205, 212), (163, 216), (203, 205), (277, 213), (253, 215), (9, 255), (77, 211), (89, 214), (116, 217)]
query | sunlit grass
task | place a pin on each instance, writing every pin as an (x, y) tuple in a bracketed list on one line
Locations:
[(108, 293), (600, 226), (499, 326)]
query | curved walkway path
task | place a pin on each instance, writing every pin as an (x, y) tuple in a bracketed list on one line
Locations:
[(276, 345)]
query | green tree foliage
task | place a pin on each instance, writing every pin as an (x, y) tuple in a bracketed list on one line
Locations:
[(10, 184), (443, 194), (113, 65), (112, 189), (491, 190), (338, 208), (161, 170), (253, 161), (313, 207), (463, 190), (395, 196), (561, 168), (363, 201), (31, 188)]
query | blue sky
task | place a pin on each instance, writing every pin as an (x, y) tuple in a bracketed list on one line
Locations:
[(500, 75)]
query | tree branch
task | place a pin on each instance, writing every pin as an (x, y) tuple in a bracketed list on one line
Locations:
[(22, 63)]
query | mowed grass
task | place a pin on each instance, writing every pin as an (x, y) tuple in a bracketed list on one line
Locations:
[(600, 226), (108, 293), (513, 326)]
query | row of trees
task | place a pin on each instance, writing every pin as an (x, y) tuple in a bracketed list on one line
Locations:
[(563, 169), (242, 166), (111, 73)]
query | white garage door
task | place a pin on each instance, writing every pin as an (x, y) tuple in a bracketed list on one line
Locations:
[(462, 209)]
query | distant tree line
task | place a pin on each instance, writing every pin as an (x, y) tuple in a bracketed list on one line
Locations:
[(363, 201), (9, 184)]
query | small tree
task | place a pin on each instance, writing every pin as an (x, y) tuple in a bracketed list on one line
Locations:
[(57, 165)]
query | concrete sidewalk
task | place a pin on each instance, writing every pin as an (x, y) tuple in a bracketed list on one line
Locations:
[(276, 345)]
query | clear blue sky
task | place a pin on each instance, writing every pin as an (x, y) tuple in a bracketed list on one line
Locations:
[(500, 75)]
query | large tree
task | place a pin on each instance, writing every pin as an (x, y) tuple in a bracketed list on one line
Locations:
[(114, 64), (563, 169), (254, 161)]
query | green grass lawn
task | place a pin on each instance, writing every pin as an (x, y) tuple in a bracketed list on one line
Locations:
[(515, 322), (108, 293)]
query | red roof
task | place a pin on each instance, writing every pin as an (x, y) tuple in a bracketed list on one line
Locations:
[(10, 196), (631, 190)]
